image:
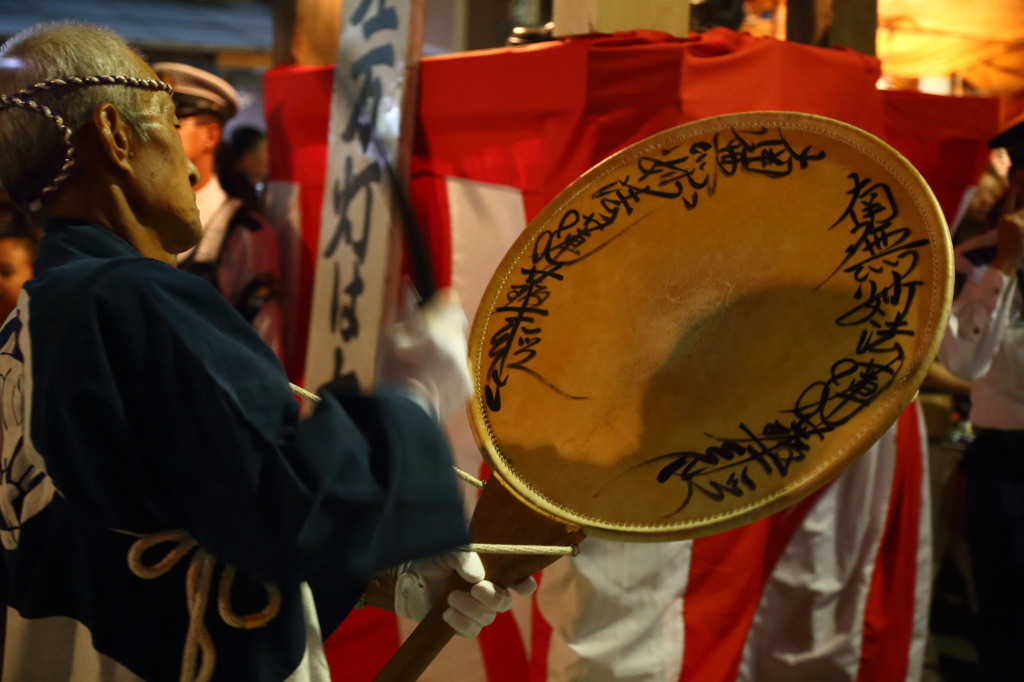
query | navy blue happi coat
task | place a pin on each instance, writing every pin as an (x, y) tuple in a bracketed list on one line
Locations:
[(135, 399)]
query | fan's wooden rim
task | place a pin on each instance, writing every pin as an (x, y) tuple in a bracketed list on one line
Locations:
[(885, 411)]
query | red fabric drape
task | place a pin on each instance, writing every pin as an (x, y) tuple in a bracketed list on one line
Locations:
[(946, 138), (889, 613), (719, 608), (297, 109), (537, 117)]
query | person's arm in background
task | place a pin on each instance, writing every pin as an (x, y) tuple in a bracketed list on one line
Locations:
[(983, 310), (941, 379)]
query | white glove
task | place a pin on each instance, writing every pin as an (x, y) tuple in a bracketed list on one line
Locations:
[(426, 353), (420, 583)]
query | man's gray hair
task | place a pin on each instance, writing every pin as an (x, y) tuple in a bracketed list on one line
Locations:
[(31, 147)]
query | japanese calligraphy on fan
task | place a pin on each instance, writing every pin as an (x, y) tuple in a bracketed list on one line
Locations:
[(710, 324)]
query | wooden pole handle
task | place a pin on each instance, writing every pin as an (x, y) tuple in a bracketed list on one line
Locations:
[(424, 643)]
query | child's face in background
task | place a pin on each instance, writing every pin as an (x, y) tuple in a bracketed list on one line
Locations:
[(15, 270)]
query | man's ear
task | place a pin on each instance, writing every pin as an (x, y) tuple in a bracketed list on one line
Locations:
[(114, 134)]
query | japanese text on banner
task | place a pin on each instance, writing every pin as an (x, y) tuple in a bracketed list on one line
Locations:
[(352, 258)]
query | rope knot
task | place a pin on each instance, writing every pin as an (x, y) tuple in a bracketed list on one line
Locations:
[(197, 592)]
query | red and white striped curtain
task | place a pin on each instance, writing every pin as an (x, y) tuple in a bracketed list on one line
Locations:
[(834, 588)]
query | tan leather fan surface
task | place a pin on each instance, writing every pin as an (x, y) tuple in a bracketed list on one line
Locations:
[(710, 325)]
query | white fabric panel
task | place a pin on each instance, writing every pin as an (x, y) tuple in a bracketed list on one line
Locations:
[(923, 579), (809, 622), (484, 219), (313, 666), (616, 612)]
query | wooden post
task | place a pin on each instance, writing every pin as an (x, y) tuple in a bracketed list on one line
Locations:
[(306, 31), (317, 27), (833, 23), (854, 24), (573, 17), (807, 21), (284, 31), (487, 23)]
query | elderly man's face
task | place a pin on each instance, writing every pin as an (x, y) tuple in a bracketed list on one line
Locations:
[(165, 179)]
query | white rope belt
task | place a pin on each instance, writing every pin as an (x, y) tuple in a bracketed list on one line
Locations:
[(479, 547), (198, 583)]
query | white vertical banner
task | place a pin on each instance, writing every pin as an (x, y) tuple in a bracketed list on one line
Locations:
[(354, 260)]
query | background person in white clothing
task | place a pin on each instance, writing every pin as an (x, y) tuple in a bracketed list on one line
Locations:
[(985, 344), (238, 252)]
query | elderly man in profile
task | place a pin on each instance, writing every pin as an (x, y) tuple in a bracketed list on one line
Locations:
[(153, 460)]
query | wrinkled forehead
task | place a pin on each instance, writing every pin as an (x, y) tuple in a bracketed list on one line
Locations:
[(157, 105)]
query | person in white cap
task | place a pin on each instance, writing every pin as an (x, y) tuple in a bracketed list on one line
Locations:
[(238, 252)]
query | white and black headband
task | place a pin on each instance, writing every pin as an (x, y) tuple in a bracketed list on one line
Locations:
[(22, 99)]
